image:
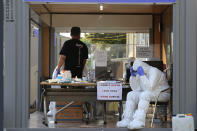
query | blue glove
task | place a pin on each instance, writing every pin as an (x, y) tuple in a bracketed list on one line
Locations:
[(57, 72), (140, 71), (132, 73)]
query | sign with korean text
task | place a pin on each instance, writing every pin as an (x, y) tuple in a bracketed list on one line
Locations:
[(144, 52), (10, 11), (109, 90)]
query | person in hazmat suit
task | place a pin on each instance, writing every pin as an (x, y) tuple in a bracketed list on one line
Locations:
[(146, 82)]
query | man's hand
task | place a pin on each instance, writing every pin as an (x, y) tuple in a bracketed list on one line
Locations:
[(57, 72), (132, 73), (140, 71)]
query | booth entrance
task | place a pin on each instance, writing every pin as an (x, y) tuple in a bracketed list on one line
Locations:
[(148, 25), (53, 18)]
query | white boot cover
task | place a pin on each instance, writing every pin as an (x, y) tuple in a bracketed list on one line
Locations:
[(123, 123), (131, 103), (140, 115), (138, 121), (127, 115)]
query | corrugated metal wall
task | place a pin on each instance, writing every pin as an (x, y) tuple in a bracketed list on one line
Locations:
[(1, 65), (16, 66), (185, 62)]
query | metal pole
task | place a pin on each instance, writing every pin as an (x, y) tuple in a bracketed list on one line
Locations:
[(45, 112), (1, 65), (39, 65), (50, 46)]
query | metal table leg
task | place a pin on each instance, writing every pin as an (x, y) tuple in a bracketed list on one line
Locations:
[(105, 112), (120, 110), (87, 117), (94, 111), (45, 112), (42, 94)]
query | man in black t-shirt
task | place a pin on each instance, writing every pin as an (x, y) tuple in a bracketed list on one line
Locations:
[(73, 54)]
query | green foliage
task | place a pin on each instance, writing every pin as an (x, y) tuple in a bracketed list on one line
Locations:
[(106, 38), (113, 43)]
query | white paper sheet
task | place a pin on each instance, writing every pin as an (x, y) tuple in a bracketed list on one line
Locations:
[(101, 58)]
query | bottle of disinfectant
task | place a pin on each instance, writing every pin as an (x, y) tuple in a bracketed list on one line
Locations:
[(183, 122), (67, 76)]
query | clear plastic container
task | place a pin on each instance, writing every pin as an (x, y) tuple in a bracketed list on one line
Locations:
[(67, 76), (183, 122)]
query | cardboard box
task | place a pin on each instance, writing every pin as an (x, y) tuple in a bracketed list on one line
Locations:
[(73, 113)]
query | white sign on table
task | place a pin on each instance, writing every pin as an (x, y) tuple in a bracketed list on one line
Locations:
[(101, 58), (109, 90)]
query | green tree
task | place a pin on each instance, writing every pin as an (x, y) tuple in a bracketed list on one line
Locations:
[(113, 43), (106, 38)]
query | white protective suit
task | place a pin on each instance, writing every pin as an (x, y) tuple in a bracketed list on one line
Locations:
[(145, 88)]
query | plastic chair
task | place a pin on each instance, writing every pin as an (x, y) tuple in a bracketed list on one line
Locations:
[(155, 105)]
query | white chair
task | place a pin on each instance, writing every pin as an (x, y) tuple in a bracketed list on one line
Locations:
[(160, 103)]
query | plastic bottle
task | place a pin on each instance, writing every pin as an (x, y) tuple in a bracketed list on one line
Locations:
[(183, 122), (68, 76)]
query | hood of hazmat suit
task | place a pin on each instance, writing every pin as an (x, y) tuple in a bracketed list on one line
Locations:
[(153, 79), (137, 63)]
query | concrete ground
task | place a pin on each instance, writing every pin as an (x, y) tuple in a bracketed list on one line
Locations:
[(36, 120)]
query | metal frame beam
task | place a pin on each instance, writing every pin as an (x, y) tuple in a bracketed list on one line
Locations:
[(39, 65), (46, 8), (50, 45), (35, 22), (90, 129), (34, 18), (98, 13), (101, 1), (1, 64)]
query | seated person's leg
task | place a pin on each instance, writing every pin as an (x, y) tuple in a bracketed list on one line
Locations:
[(130, 107), (140, 114)]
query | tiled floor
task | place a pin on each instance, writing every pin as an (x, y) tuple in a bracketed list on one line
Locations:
[(36, 120)]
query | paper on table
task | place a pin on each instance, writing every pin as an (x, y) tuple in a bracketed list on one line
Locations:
[(101, 58), (52, 80)]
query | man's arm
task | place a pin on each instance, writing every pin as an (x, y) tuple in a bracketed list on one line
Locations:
[(85, 56), (150, 83), (61, 62), (84, 63)]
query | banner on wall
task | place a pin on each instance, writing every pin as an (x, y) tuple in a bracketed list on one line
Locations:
[(105, 1)]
